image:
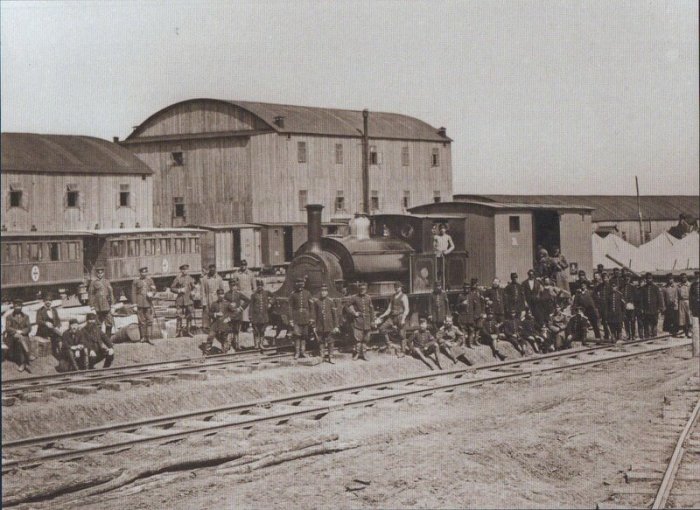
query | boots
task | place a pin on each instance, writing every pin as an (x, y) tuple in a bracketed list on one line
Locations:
[(108, 331), (302, 353), (362, 352), (297, 348), (356, 351), (188, 329), (329, 350)]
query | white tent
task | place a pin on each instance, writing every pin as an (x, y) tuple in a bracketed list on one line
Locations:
[(667, 253), (615, 247)]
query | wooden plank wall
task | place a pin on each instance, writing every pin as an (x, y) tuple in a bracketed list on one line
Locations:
[(98, 202), (575, 237), (479, 243), (514, 251)]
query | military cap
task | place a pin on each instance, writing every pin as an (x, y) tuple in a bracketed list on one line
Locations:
[(72, 321), (683, 274), (99, 268), (299, 280), (616, 269), (513, 275), (220, 291), (233, 279), (17, 302), (397, 285), (212, 266), (647, 275), (324, 286), (48, 297), (259, 283), (244, 262), (91, 316), (669, 275), (184, 266), (143, 269), (581, 272), (474, 281), (362, 284)]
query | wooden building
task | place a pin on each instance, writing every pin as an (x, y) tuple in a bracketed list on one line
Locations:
[(499, 238), (221, 162), (65, 183)]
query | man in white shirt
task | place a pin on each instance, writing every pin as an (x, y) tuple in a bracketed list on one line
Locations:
[(442, 242), (393, 320)]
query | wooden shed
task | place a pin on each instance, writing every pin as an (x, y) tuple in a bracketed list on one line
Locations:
[(502, 238), (70, 183)]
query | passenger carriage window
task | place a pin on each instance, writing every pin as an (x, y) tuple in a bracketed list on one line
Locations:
[(34, 251), (133, 248), (72, 251), (196, 244), (165, 246), (148, 246), (157, 249), (54, 251), (115, 249)]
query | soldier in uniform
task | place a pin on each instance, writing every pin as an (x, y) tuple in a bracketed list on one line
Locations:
[(683, 294), (246, 284), (652, 303), (101, 299), (219, 317), (423, 344), (142, 291), (532, 291), (601, 296), (447, 336), (670, 295), (360, 307), (239, 302), (439, 306), (16, 335), (47, 326), (261, 302), (497, 300), (584, 300), (695, 295), (616, 310), (511, 332), (211, 283), (577, 328), (514, 297), (98, 344), (393, 320), (469, 310), (326, 323), (581, 281), (300, 310), (75, 355), (183, 285), (489, 335), (629, 296)]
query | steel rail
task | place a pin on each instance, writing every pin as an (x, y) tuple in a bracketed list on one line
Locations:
[(672, 469), (244, 408), (14, 386)]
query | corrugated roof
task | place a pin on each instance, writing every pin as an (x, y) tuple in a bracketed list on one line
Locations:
[(59, 154), (435, 209), (609, 207), (325, 121)]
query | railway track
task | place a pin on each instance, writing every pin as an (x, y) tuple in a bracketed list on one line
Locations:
[(29, 388), (33, 451)]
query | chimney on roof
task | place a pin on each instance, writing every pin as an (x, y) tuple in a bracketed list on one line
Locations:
[(115, 139), (442, 132), (279, 121)]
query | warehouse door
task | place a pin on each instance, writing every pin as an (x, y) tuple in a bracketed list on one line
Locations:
[(546, 227), (288, 234)]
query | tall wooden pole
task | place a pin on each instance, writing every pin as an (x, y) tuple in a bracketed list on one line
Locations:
[(639, 212), (365, 162)]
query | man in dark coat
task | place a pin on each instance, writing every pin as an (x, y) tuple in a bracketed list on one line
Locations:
[(577, 328), (219, 318), (75, 355), (101, 299), (183, 285), (489, 333), (47, 326), (670, 295), (16, 336), (629, 296), (652, 303), (581, 281), (360, 307), (439, 306), (695, 295), (584, 300), (470, 308), (326, 324), (511, 332), (532, 289), (142, 291), (423, 344), (261, 302), (601, 296), (514, 297), (301, 318), (616, 311), (98, 344), (239, 302), (497, 300)]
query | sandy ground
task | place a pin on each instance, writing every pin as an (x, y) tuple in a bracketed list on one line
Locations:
[(559, 440)]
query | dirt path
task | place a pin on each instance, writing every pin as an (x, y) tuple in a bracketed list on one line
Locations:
[(554, 441)]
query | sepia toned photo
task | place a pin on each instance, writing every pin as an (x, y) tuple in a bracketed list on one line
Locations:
[(340, 254)]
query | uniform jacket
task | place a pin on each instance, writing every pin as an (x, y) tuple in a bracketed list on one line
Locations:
[(326, 315), (469, 307), (601, 296), (451, 334), (42, 317), (92, 337), (18, 323), (363, 306), (651, 299), (301, 307), (219, 311), (139, 288), (574, 286), (511, 327), (528, 327), (239, 302), (100, 295), (670, 294), (439, 306), (498, 300), (183, 287), (514, 298), (422, 338), (210, 284), (70, 339), (260, 303), (490, 327), (577, 327), (629, 294), (695, 298), (586, 302), (616, 306)]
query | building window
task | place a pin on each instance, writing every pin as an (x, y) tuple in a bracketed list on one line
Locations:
[(374, 201), (54, 251), (514, 224), (339, 202), (436, 157), (338, 153), (13, 252), (375, 158), (179, 207), (72, 196), (436, 196), (124, 195), (406, 199), (301, 152), (405, 157), (15, 198), (303, 199), (177, 158)]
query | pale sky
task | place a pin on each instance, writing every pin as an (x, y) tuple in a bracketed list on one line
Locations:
[(539, 96)]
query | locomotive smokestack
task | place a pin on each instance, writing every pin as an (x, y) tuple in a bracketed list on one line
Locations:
[(313, 218)]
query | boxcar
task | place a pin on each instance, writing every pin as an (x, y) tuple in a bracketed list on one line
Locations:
[(34, 261), (227, 245)]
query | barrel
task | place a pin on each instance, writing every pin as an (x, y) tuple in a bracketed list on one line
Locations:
[(128, 333)]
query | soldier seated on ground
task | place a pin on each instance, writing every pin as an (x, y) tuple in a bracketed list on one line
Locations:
[(449, 336), (16, 336), (423, 344), (556, 325), (510, 332), (489, 334), (219, 317), (531, 333), (577, 328), (98, 344), (74, 353), (48, 324)]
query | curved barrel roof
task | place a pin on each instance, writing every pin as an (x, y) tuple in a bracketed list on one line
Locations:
[(67, 154)]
